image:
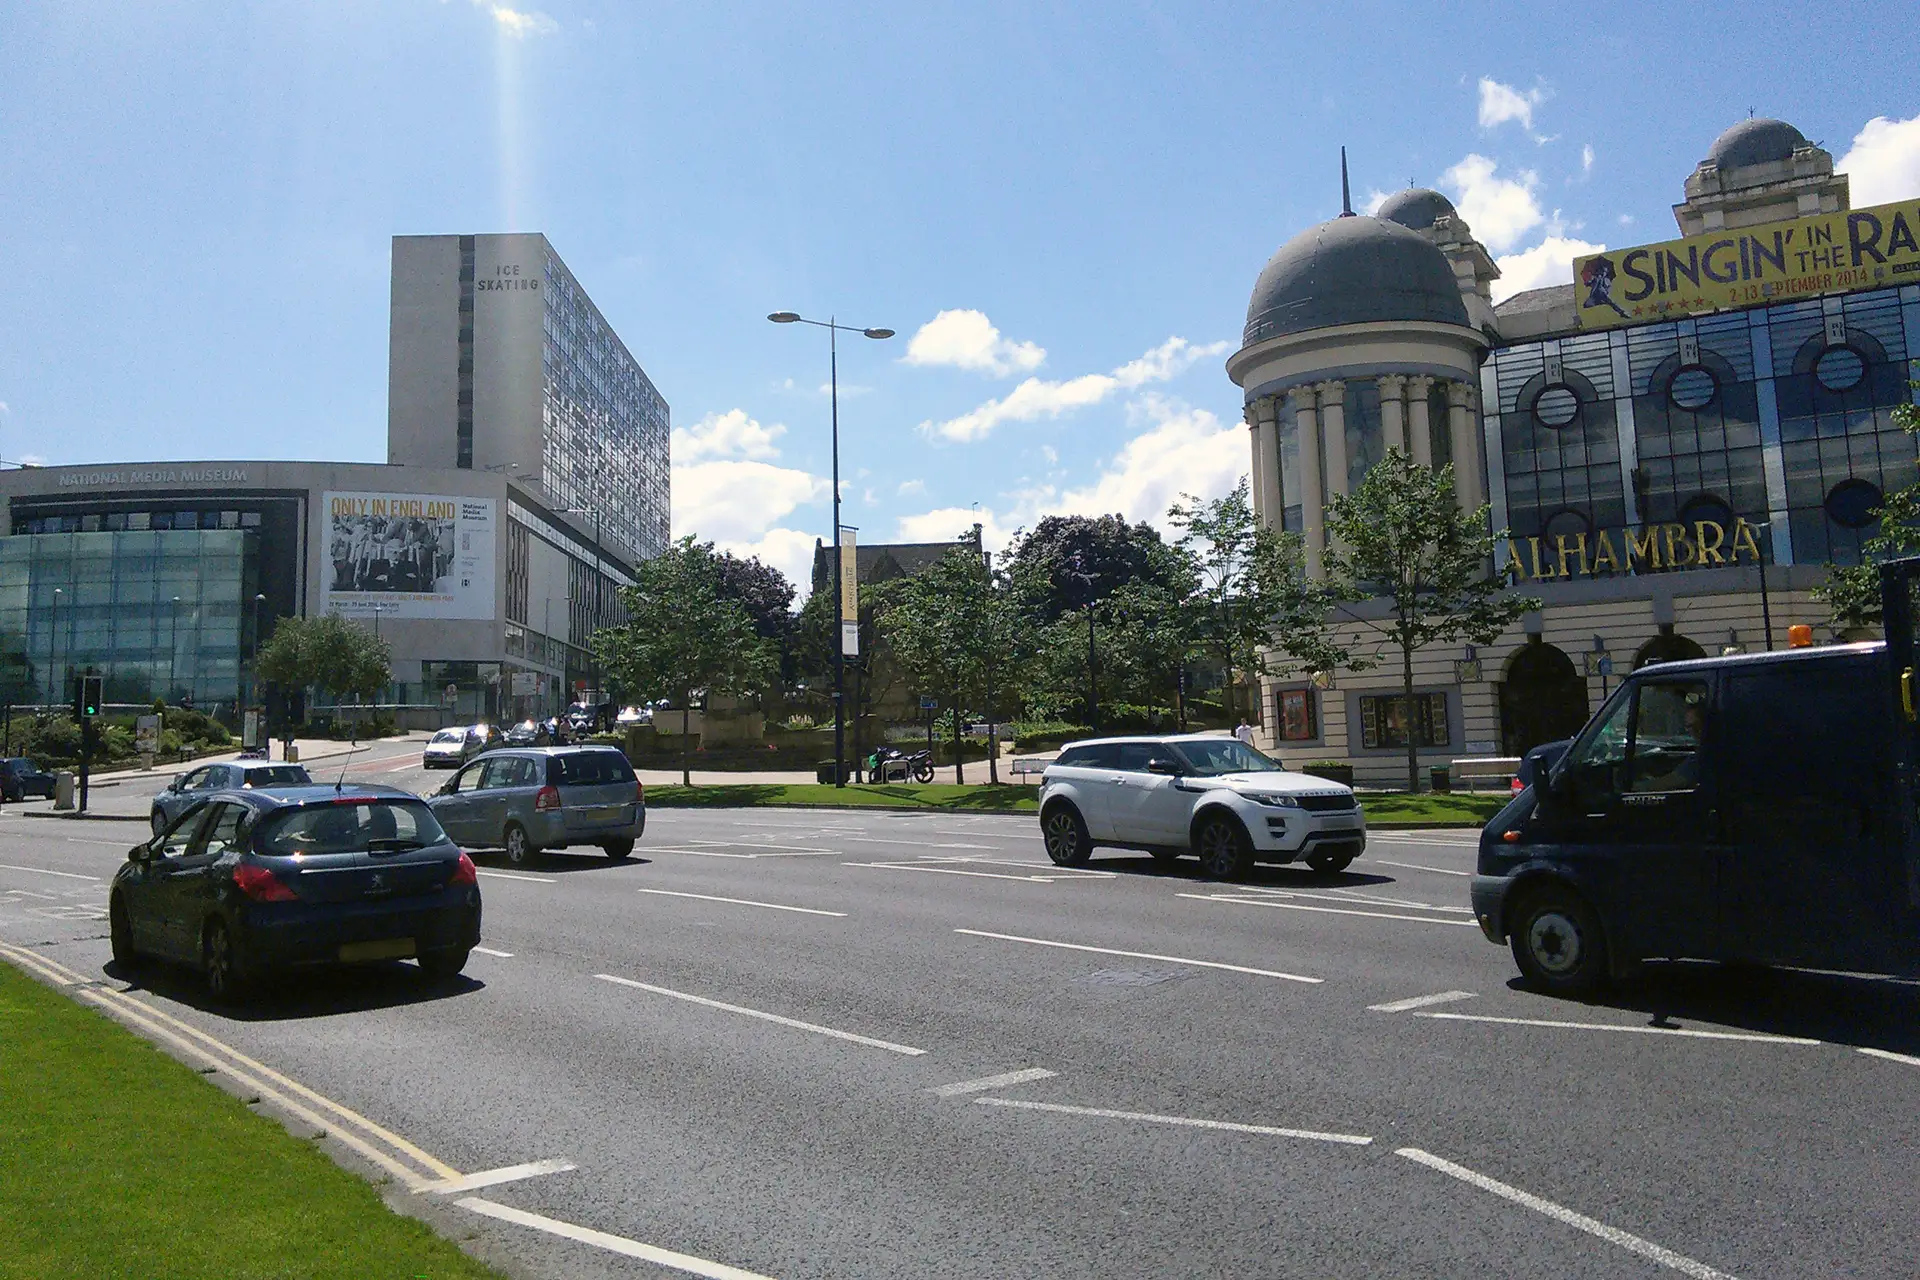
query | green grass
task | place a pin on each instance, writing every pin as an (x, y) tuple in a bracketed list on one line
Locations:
[(938, 796), (1453, 809), (115, 1160)]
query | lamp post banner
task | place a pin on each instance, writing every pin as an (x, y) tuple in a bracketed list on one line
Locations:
[(849, 578), (413, 555)]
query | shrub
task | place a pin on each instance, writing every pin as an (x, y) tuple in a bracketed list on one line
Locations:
[(798, 723)]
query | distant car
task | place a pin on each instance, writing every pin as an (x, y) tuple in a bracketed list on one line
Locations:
[(451, 748), (21, 777), (1535, 765), (525, 800), (630, 716), (190, 788), (244, 883), (524, 734)]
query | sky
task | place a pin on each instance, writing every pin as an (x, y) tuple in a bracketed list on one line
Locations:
[(1060, 208)]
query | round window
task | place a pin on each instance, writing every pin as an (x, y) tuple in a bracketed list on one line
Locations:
[(1707, 507), (1692, 388), (1556, 406), (1851, 503), (1840, 368), (1565, 524)]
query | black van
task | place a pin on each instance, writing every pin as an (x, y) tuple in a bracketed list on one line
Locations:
[(1757, 808)]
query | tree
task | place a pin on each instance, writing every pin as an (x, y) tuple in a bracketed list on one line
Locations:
[(1110, 551), (1401, 537), (328, 653), (683, 636), (761, 589), (1852, 592)]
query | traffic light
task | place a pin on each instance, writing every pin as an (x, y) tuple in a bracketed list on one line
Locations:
[(91, 688)]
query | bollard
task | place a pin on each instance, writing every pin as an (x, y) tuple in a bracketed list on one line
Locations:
[(63, 790)]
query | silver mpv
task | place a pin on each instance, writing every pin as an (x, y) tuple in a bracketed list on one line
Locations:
[(529, 799)]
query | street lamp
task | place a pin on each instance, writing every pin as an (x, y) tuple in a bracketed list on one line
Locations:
[(839, 650)]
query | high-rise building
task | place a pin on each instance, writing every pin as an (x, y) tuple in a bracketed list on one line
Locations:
[(499, 361)]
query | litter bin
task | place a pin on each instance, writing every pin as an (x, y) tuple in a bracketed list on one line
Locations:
[(824, 772), (1442, 779), (292, 755), (63, 790)]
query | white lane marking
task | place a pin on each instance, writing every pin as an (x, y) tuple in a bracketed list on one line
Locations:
[(489, 951), (1140, 955), (918, 844), (1348, 895), (743, 902), (1891, 1056), (494, 1177), (1438, 836), (795, 1023), (1337, 911), (515, 875), (1347, 1139), (985, 1083), (70, 875), (1612, 1235), (1420, 1002), (1414, 866), (121, 845), (954, 871), (1608, 1026), (750, 844), (717, 853), (611, 1243)]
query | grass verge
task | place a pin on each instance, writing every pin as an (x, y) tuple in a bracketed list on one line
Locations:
[(115, 1160), (938, 796), (1451, 809)]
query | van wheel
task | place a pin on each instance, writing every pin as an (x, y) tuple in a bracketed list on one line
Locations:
[(520, 850), (1066, 836), (618, 850), (1328, 864), (1225, 852), (1558, 943)]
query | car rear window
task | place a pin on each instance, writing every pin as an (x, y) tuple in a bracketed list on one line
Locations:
[(450, 735), (588, 769), (282, 775), (1098, 755), (349, 826)]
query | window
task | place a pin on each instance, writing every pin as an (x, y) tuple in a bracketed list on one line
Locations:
[(589, 769), (1839, 368), (1211, 757), (1692, 387), (1556, 406), (1297, 719), (1135, 755), (510, 771), (1387, 721), (335, 827), (180, 835), (1647, 741), (228, 832)]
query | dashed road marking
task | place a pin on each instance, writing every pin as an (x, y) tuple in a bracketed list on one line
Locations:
[(1312, 1135), (1755, 1036), (985, 1083), (1337, 911), (795, 1023), (743, 902), (1420, 1002), (489, 951), (1891, 1056), (1414, 866), (960, 871), (1140, 955), (515, 875), (611, 1243), (70, 875)]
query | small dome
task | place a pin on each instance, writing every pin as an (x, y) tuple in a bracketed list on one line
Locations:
[(1755, 141), (1416, 208), (1352, 270)]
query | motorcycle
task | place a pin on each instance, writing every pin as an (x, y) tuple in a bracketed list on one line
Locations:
[(890, 764)]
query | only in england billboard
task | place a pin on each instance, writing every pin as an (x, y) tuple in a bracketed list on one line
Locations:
[(414, 555)]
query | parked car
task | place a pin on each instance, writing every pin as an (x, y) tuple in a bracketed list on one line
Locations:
[(191, 787), (451, 748), (1198, 793), (247, 883), (631, 716), (526, 800), (21, 777)]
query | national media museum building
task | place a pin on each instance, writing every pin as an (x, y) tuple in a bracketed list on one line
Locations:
[(1685, 418)]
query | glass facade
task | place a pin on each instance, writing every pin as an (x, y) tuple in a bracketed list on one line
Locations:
[(606, 426), (157, 612)]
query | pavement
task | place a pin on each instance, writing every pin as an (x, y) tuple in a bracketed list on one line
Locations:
[(794, 1044)]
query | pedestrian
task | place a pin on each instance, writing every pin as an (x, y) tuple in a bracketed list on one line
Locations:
[(1244, 732)]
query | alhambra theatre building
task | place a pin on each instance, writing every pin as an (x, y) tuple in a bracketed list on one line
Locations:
[(1678, 443)]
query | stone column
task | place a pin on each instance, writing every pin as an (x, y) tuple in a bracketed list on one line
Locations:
[(1313, 520), (1419, 424), (1469, 476), (1333, 432), (1259, 452), (1267, 501), (1393, 417)]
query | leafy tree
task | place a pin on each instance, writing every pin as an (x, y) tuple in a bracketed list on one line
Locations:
[(1057, 558), (1852, 592), (684, 636), (328, 653), (761, 589), (1402, 538)]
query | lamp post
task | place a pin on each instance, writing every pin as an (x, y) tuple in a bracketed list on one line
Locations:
[(839, 650)]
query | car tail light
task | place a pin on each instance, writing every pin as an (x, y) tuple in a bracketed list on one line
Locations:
[(261, 884), (546, 799), (639, 792), (1518, 786), (463, 872)]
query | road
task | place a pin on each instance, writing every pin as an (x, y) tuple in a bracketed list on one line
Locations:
[(834, 1044)]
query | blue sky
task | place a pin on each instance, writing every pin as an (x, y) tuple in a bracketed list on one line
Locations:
[(1061, 208)]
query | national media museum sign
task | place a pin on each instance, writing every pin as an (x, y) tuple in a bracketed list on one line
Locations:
[(1703, 544), (1750, 266)]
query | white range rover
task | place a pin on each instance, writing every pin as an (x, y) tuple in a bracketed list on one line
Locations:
[(1196, 793)]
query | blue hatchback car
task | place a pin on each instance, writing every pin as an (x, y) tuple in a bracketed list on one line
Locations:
[(246, 883)]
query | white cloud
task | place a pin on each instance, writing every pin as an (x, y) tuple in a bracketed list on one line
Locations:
[(788, 550), (1548, 263), (1500, 210), (1626, 219), (911, 488), (1375, 198), (1500, 103), (4, 408), (1039, 398), (1051, 454), (1884, 161), (730, 501), (726, 435), (944, 524), (966, 339), (518, 23), (33, 460), (1586, 159)]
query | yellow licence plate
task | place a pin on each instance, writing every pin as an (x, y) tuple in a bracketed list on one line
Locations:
[(386, 949)]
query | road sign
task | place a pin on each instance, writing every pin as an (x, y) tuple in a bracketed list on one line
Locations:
[(929, 704)]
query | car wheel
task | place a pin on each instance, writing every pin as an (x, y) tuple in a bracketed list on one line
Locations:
[(120, 930), (618, 850), (1328, 864), (1558, 943), (225, 968), (1225, 852), (520, 850), (1066, 836), (441, 965)]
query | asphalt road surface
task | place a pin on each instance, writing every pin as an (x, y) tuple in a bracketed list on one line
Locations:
[(830, 1044)]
